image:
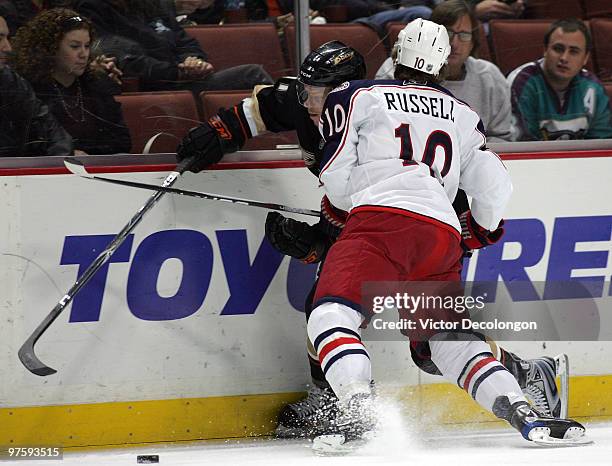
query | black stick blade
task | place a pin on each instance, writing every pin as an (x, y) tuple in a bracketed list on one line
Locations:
[(31, 362)]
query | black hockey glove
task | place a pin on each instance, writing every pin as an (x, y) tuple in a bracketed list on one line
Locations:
[(207, 142), (474, 236), (295, 239)]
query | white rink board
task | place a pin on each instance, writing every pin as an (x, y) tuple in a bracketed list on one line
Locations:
[(119, 356)]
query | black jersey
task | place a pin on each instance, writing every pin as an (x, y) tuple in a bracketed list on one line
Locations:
[(276, 109)]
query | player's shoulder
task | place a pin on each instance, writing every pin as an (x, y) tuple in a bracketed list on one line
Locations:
[(440, 88), (350, 90), (284, 85), (283, 91), (350, 87)]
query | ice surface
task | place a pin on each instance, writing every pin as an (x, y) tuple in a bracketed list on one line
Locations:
[(394, 446)]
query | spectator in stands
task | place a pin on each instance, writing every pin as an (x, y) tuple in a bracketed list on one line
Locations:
[(354, 8), (149, 44), (185, 7), (23, 11), (498, 9), (192, 12), (27, 128), (5, 45), (554, 97), (478, 82), (258, 10), (408, 11), (52, 51)]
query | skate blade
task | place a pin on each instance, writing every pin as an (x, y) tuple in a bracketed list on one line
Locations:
[(337, 445), (574, 437)]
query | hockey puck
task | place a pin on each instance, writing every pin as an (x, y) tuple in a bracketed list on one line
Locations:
[(147, 459)]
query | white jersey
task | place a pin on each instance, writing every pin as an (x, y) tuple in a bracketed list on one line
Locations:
[(409, 146)]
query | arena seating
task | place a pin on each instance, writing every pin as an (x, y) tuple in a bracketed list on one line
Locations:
[(149, 113), (516, 42), (601, 30), (552, 9), (608, 88), (212, 101), (597, 8), (512, 43), (237, 44), (361, 37)]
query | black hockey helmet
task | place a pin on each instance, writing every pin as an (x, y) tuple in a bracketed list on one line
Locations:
[(331, 64)]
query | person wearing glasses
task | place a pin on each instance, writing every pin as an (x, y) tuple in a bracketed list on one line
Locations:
[(52, 51), (478, 82)]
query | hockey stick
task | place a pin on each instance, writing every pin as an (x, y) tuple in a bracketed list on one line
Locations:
[(26, 352), (77, 168)]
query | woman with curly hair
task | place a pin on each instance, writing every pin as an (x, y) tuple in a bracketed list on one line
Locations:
[(52, 51)]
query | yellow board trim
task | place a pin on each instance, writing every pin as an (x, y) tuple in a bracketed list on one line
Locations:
[(188, 419)]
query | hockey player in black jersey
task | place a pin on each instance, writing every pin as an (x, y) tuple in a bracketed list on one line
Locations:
[(290, 104), (296, 104)]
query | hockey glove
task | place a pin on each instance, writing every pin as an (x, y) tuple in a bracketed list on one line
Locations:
[(474, 236), (295, 239), (207, 142)]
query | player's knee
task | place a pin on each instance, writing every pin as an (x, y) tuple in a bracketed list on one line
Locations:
[(450, 351), (330, 315)]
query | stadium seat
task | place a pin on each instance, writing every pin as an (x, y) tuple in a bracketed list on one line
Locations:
[(515, 42), (553, 9), (608, 88), (485, 51), (149, 113), (335, 13), (393, 30), (601, 29), (597, 8), (361, 37), (238, 44), (213, 100)]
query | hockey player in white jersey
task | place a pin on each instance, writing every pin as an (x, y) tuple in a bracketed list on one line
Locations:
[(395, 154), (294, 104)]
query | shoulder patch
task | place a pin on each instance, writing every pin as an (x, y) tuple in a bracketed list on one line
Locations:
[(281, 88), (341, 87), (282, 84)]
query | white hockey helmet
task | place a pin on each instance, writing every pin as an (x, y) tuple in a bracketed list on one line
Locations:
[(423, 45)]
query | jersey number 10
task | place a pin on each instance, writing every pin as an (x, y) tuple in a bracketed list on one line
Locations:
[(437, 138)]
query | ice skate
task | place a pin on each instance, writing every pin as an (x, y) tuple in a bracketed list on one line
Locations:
[(310, 416), (541, 388), (537, 379), (353, 428), (540, 428)]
